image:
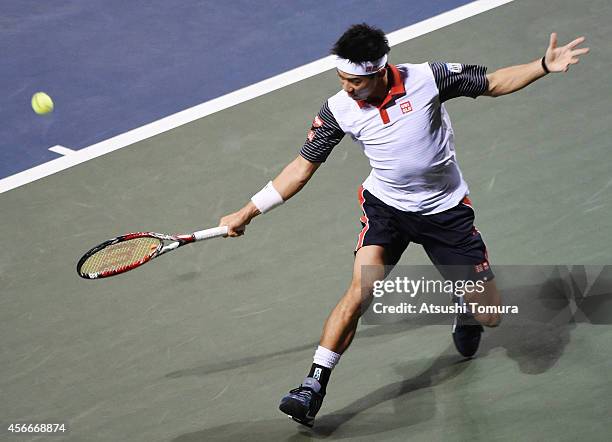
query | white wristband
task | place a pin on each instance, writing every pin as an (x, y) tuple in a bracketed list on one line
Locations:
[(267, 198)]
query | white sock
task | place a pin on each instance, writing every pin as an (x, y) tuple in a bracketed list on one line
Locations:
[(326, 358)]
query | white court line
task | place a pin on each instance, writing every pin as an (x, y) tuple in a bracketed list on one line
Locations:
[(234, 98), (62, 150)]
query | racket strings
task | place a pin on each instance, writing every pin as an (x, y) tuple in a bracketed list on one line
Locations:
[(120, 255)]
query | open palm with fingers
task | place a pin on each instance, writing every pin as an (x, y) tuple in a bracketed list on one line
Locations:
[(559, 59)]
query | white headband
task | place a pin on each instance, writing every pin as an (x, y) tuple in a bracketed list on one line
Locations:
[(363, 68)]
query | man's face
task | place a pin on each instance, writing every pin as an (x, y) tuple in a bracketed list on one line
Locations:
[(358, 87)]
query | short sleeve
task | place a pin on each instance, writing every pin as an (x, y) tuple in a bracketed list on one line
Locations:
[(459, 80), (323, 136)]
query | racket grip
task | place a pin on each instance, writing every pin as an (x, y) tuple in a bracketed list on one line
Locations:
[(210, 233)]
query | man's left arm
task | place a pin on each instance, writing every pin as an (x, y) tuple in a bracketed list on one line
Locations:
[(557, 59)]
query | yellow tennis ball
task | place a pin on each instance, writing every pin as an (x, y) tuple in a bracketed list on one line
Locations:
[(42, 103)]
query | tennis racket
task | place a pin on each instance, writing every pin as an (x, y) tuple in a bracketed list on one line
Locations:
[(124, 253)]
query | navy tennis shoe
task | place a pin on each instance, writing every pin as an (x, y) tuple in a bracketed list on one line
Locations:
[(303, 403), (466, 335)]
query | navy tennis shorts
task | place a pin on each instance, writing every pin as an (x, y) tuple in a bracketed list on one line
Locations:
[(450, 238)]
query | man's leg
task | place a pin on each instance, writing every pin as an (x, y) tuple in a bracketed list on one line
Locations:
[(304, 402), (467, 327), (339, 329), (457, 248)]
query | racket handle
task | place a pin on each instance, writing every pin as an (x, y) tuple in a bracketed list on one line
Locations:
[(210, 233)]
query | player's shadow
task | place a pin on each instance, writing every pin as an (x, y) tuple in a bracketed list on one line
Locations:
[(537, 337), (412, 402), (534, 339)]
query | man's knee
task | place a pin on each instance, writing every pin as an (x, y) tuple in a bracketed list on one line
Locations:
[(489, 319), (355, 300), (487, 312)]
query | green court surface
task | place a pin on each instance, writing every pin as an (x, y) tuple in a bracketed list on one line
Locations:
[(201, 344)]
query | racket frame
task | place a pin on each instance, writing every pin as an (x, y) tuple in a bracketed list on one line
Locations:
[(177, 241)]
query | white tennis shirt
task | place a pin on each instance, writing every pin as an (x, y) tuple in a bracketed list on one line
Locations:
[(408, 138)]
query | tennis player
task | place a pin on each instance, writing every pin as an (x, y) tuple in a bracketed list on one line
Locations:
[(415, 191)]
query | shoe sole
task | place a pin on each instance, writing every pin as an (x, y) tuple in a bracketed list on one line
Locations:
[(294, 410)]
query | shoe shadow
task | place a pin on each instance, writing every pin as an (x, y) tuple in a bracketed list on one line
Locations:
[(413, 402)]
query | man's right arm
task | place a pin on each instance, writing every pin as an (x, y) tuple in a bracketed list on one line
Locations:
[(294, 176), (289, 182)]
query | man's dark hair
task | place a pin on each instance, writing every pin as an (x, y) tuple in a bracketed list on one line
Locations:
[(361, 43)]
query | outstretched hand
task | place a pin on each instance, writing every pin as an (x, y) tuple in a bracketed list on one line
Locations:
[(559, 59)]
